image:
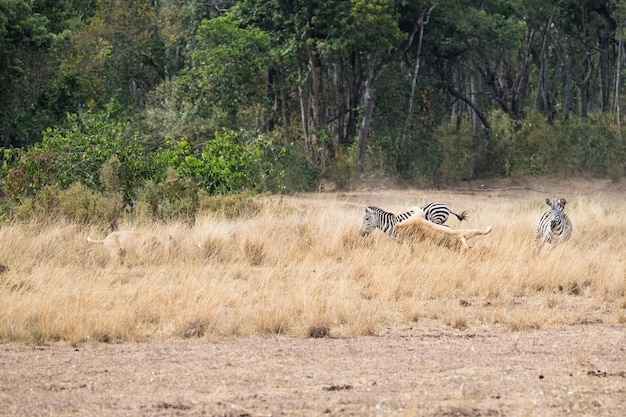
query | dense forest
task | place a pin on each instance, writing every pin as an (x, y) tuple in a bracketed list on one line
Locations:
[(163, 100)]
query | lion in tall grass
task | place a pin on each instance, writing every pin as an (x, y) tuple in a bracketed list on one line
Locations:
[(417, 228), (120, 244)]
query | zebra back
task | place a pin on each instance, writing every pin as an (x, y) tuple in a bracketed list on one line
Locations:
[(378, 218), (438, 213)]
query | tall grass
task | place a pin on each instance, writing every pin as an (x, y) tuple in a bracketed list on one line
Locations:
[(299, 267)]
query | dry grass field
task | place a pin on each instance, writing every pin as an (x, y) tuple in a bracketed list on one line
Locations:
[(291, 312)]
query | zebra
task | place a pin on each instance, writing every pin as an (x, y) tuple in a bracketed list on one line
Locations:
[(438, 213), (378, 218), (554, 224)]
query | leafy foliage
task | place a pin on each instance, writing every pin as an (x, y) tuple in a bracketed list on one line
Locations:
[(225, 164), (229, 63), (75, 154), (75, 204), (154, 104)]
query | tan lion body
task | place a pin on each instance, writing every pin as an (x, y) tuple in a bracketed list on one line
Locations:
[(120, 243), (417, 228)]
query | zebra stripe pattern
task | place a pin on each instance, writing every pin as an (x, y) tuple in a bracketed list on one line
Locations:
[(554, 224), (378, 218), (438, 213)]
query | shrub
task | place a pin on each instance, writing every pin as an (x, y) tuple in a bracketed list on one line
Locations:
[(345, 165), (225, 165), (284, 167), (457, 156), (174, 198), (590, 146), (76, 204), (230, 206), (76, 154), (533, 147)]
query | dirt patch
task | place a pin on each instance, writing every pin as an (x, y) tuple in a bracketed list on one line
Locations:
[(425, 370)]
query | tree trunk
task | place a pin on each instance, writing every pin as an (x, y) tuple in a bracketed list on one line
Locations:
[(354, 96), (421, 22), (616, 105), (315, 70), (583, 87), (304, 112), (473, 102), (604, 64), (368, 109), (341, 104), (543, 96), (284, 104), (564, 64), (569, 76), (521, 89), (473, 109)]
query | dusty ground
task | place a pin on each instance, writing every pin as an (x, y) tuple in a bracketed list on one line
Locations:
[(427, 370)]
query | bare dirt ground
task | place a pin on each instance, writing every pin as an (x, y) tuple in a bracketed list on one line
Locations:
[(426, 370)]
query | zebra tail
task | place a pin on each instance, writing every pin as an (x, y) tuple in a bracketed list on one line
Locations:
[(464, 215)]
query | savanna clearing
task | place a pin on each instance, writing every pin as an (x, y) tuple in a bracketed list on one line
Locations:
[(288, 311)]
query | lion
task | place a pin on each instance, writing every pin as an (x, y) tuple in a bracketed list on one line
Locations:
[(417, 228), (120, 243)]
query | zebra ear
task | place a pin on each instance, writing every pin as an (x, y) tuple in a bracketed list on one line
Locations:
[(563, 202), (547, 201)]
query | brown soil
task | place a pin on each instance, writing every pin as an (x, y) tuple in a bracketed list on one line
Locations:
[(426, 370)]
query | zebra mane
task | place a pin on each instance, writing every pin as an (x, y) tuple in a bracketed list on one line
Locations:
[(374, 208)]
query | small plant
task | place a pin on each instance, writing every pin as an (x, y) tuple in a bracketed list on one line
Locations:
[(319, 331), (253, 249), (37, 337), (230, 206)]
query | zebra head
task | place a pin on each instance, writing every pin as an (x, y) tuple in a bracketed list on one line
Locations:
[(556, 211), (370, 220)]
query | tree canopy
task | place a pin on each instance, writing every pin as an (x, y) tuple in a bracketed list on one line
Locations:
[(250, 94)]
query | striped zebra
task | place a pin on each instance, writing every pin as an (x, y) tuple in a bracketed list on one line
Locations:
[(378, 218), (554, 225), (438, 213)]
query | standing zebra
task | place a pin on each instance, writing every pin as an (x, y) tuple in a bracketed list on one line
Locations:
[(553, 225), (385, 221), (438, 213)]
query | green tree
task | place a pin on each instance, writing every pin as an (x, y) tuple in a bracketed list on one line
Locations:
[(230, 65), (225, 86), (119, 55), (25, 39)]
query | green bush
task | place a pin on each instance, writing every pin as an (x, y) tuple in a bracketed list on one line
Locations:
[(224, 166), (591, 146), (457, 160), (344, 168), (76, 154), (76, 204), (230, 206), (284, 167), (174, 198), (533, 148), (578, 146)]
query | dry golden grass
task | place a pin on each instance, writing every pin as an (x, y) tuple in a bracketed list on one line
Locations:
[(301, 268)]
